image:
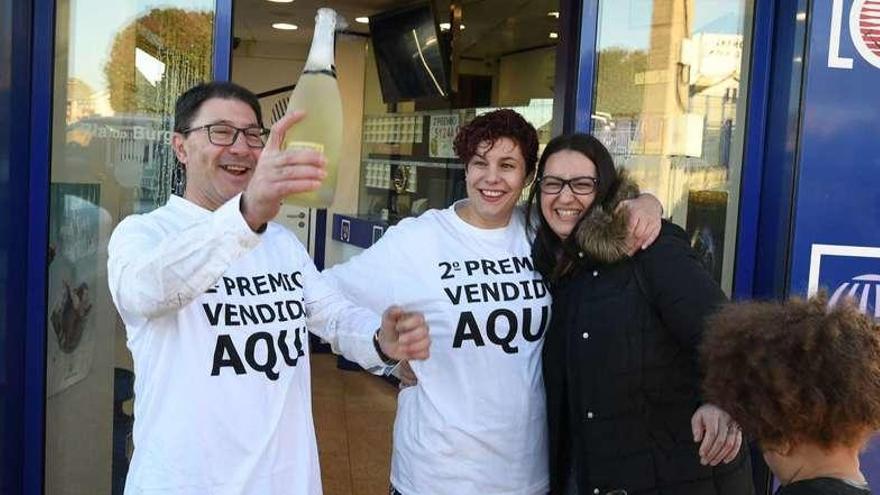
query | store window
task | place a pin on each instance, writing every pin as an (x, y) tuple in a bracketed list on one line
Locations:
[(669, 103), (397, 142), (408, 164), (119, 67), (396, 159)]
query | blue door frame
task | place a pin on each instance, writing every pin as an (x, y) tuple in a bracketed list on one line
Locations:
[(32, 61), (15, 31), (767, 192), (28, 287)]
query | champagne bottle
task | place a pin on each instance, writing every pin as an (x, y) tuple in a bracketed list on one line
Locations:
[(317, 92)]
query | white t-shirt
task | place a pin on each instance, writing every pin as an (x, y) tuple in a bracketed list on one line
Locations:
[(476, 421), (217, 319)]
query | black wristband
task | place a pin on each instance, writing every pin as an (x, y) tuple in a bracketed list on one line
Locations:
[(384, 357)]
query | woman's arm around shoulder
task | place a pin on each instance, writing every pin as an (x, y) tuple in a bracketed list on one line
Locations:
[(681, 289)]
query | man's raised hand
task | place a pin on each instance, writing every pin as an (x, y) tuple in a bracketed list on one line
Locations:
[(280, 173)]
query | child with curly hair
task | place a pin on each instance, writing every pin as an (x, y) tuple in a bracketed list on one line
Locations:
[(802, 379)]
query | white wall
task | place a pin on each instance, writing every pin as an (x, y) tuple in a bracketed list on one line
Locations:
[(351, 54), (265, 66), (516, 85)]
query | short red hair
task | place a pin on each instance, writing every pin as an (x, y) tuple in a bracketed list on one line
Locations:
[(493, 126)]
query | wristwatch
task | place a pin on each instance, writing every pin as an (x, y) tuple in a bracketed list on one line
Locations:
[(384, 357)]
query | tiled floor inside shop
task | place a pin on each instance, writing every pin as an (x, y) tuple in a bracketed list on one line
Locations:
[(354, 416)]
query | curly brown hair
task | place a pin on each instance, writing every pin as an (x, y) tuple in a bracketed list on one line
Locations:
[(795, 372), (493, 126)]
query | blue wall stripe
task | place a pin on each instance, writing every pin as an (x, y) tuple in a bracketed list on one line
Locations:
[(38, 231), (15, 42), (586, 70), (753, 154), (773, 240), (222, 40)]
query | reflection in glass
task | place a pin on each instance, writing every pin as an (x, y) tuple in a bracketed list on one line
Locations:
[(118, 70), (666, 105)]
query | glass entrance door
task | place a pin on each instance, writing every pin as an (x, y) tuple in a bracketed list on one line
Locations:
[(119, 66), (668, 102)]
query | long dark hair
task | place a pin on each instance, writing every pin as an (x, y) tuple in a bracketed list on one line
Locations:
[(554, 257)]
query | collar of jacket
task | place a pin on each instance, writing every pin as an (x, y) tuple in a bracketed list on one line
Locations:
[(601, 234)]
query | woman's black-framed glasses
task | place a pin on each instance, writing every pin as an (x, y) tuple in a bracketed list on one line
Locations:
[(225, 134), (582, 186)]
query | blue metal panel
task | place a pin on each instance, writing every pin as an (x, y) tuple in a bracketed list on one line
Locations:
[(838, 201), (586, 70), (37, 243), (223, 40), (14, 89), (753, 152), (764, 236), (357, 231), (836, 239)]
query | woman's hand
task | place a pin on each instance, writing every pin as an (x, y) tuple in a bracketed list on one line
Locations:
[(719, 434), (405, 373), (645, 213)]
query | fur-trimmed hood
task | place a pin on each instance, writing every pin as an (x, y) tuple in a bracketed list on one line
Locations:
[(602, 233)]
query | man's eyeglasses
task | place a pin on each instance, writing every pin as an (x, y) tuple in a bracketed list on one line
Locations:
[(582, 186), (225, 134)]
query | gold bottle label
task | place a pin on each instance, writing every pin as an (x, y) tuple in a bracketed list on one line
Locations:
[(306, 145)]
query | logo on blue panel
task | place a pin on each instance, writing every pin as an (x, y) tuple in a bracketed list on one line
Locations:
[(847, 272), (864, 30), (864, 290)]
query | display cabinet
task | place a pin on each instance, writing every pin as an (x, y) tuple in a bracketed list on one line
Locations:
[(408, 163)]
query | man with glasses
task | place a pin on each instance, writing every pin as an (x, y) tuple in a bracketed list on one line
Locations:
[(218, 302)]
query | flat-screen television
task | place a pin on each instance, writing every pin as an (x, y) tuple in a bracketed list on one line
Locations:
[(411, 56)]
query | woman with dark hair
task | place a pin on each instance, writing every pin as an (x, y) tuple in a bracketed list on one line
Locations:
[(620, 356), (475, 422)]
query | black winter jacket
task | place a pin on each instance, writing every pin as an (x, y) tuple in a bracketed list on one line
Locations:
[(621, 371)]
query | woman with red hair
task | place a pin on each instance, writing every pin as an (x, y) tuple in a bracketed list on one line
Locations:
[(475, 422)]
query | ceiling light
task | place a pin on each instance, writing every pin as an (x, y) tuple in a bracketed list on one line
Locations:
[(553, 14), (553, 36), (362, 20), (281, 1), (285, 26), (801, 16)]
